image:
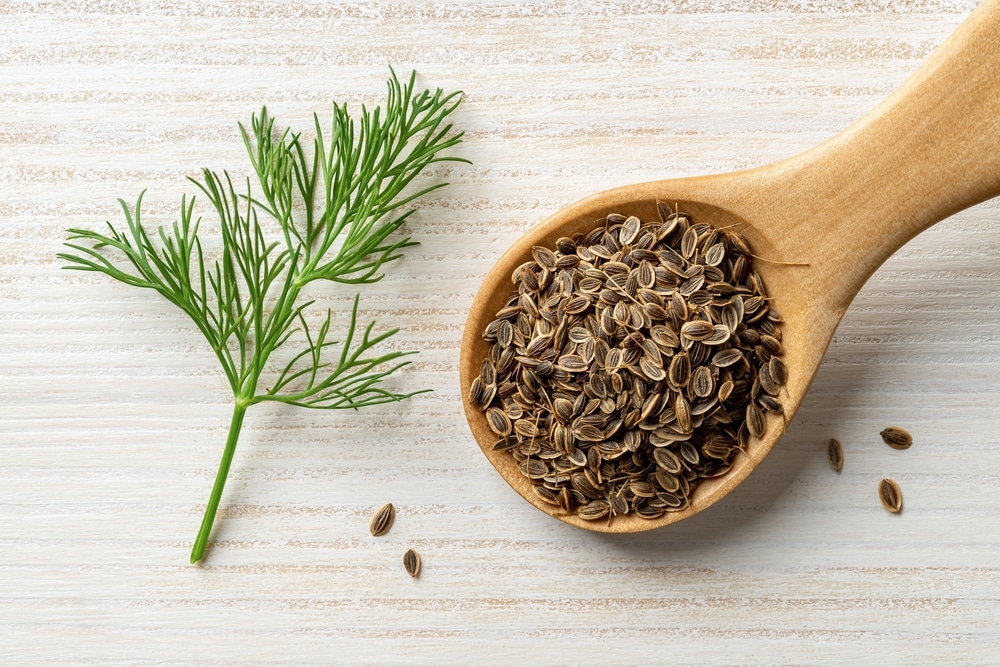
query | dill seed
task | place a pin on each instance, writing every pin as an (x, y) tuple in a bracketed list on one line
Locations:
[(411, 561), (595, 509), (755, 420), (896, 437), (499, 421), (630, 363), (680, 369), (890, 495), (835, 454), (649, 512), (702, 382), (382, 520), (697, 330)]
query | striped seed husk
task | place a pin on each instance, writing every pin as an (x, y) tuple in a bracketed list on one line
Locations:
[(890, 496), (382, 520), (896, 437), (411, 562), (835, 454)]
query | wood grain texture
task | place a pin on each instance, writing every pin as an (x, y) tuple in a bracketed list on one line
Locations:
[(113, 416)]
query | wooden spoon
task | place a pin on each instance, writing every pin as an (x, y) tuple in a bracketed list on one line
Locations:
[(842, 208)]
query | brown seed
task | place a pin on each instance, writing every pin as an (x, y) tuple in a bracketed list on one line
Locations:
[(576, 305), (632, 440), (650, 405), (573, 363), (770, 404), (691, 285), (595, 509), (649, 512), (576, 457), (619, 506), (656, 312), (476, 391), (689, 453), (667, 481), (890, 495), (896, 437), (562, 439), (767, 382), (646, 275), (528, 279), (382, 520), (581, 482), (715, 254), (688, 241), (563, 409), (667, 460), (411, 561), (545, 257), (498, 421), (680, 369), (718, 448), (538, 345), (546, 495), (725, 390), (651, 369), (778, 370), (702, 384), (771, 344), (488, 394), (630, 230), (505, 333), (682, 410), (756, 422), (533, 469), (565, 499), (642, 488), (526, 429), (615, 359), (697, 330), (504, 444), (719, 335), (738, 242), (678, 305), (588, 433), (835, 454), (506, 360)]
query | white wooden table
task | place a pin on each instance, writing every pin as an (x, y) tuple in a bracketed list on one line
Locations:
[(113, 413)]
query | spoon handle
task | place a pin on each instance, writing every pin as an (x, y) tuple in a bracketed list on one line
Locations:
[(931, 149)]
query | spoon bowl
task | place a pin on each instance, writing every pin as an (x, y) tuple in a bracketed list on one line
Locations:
[(822, 222)]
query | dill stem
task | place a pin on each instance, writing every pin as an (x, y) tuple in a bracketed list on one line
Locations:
[(239, 410)]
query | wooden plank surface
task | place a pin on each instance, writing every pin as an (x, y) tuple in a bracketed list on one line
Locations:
[(113, 414)]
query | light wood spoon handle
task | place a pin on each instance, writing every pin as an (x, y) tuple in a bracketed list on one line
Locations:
[(928, 151)]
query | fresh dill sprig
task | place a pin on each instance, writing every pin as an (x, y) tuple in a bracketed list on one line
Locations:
[(336, 207)]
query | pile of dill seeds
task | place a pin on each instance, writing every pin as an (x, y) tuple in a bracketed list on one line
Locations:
[(630, 363)]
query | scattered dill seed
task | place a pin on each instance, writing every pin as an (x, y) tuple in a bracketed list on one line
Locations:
[(411, 561), (835, 454), (890, 495), (382, 520), (896, 437)]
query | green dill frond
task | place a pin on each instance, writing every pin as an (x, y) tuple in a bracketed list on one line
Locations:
[(338, 204)]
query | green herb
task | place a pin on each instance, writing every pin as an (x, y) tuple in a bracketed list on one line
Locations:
[(336, 211)]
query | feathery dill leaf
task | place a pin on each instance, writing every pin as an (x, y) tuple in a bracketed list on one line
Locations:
[(337, 208)]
